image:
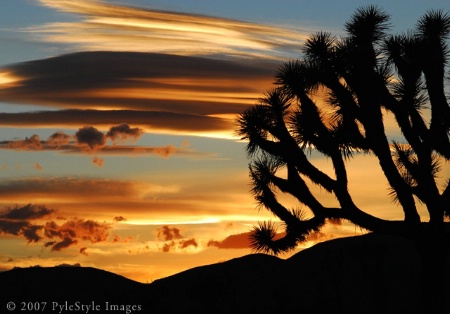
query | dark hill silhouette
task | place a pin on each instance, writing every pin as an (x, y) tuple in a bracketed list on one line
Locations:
[(364, 274), (67, 283)]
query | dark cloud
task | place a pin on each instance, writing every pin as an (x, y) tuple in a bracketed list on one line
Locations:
[(27, 212), (235, 241), (119, 218), (13, 227), (167, 233), (58, 139), (83, 251), (31, 233), (91, 137), (123, 132), (18, 221), (49, 243), (64, 243)]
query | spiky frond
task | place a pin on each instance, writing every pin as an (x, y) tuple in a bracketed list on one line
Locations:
[(320, 47), (308, 127), (264, 121), (404, 52), (433, 29), (411, 97), (261, 172), (406, 162), (300, 214), (264, 238), (254, 124), (277, 102), (368, 24), (298, 77), (435, 23)]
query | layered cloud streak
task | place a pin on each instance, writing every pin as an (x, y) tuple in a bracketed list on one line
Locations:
[(106, 27), (162, 93)]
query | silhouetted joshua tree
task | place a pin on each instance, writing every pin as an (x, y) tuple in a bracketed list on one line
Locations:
[(364, 75)]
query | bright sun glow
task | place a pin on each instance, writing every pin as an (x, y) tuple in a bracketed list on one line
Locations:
[(141, 222), (6, 78)]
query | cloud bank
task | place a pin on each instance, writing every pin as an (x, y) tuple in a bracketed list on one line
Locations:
[(163, 93)]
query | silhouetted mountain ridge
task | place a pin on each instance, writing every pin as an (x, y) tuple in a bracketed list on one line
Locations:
[(364, 274)]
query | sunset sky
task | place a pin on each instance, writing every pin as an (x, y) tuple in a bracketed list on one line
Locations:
[(117, 127)]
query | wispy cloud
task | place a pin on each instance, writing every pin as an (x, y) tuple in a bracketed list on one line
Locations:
[(77, 189), (105, 26)]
